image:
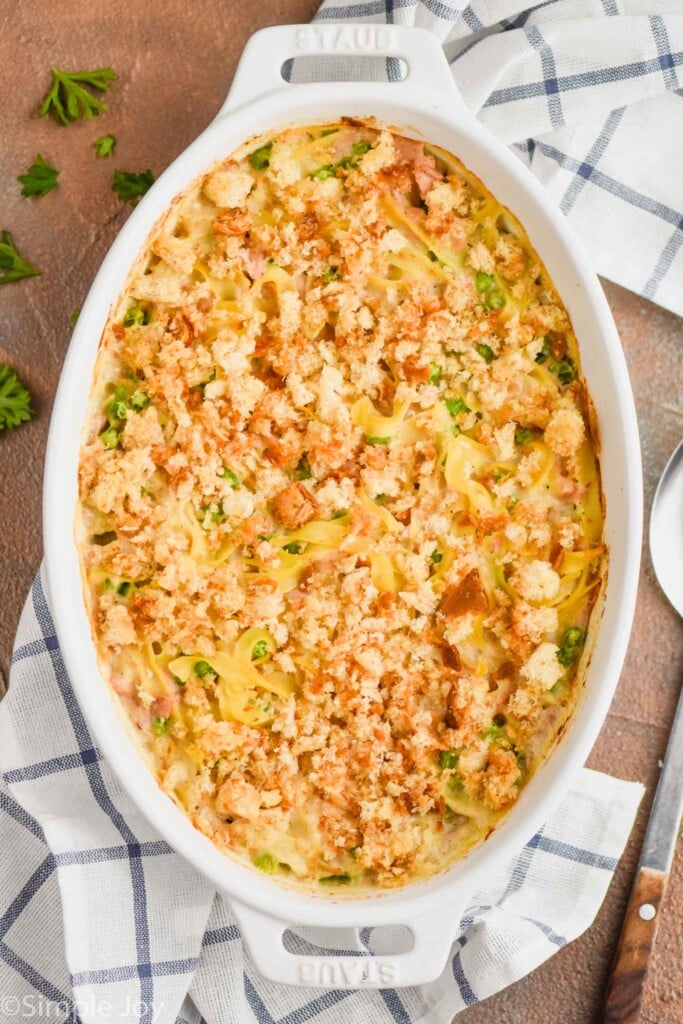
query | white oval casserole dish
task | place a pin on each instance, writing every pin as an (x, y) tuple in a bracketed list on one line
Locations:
[(425, 105)]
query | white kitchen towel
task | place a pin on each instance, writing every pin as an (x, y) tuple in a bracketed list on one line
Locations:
[(100, 920), (590, 94)]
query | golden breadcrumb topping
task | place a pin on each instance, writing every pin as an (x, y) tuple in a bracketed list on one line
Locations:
[(341, 516)]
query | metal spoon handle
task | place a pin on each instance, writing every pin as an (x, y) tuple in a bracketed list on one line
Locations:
[(627, 983)]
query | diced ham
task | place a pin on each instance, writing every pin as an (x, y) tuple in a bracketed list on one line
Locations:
[(426, 172), (256, 262), (424, 166), (163, 706), (295, 506)]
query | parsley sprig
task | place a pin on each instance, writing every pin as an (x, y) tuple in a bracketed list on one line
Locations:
[(13, 267), (105, 145), (15, 400), (68, 99), (40, 178), (130, 187)]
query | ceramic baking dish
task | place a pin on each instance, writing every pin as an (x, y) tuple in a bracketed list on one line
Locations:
[(425, 105)]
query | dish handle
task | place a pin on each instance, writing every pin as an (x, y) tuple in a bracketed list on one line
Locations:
[(259, 72), (433, 936)]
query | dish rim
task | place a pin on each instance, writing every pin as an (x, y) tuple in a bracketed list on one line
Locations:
[(402, 109)]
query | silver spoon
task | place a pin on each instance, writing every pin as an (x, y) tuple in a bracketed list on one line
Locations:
[(625, 992), (666, 530)]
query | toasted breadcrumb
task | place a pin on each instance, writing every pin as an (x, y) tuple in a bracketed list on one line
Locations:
[(543, 669), (337, 509), (536, 581), (566, 431)]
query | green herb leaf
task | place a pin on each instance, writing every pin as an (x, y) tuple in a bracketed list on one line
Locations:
[(110, 437), (456, 405), (259, 650), (436, 557), (330, 274), (483, 282), (495, 300), (545, 353), (293, 548), (564, 368), (495, 732), (117, 410), (570, 648), (323, 173), (448, 759), (105, 145), (227, 474), (343, 879), (131, 186), (486, 352), (124, 588), (136, 317), (15, 400), (260, 158), (266, 862), (40, 178), (566, 371), (303, 470), (202, 668), (12, 266), (139, 400), (216, 515), (68, 99), (377, 440), (358, 149), (435, 373), (160, 726), (524, 435)]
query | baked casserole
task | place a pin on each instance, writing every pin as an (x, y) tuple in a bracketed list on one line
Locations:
[(341, 518)]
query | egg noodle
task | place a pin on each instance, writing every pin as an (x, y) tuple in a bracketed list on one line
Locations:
[(341, 521)]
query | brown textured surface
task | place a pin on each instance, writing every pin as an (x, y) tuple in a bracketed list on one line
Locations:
[(174, 68)]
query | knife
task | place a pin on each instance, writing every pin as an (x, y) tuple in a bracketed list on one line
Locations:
[(639, 931)]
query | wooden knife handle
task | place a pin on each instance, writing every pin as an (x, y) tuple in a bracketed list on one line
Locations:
[(625, 991)]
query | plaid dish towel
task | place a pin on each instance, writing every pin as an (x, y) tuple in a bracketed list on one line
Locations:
[(590, 94), (100, 920)]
